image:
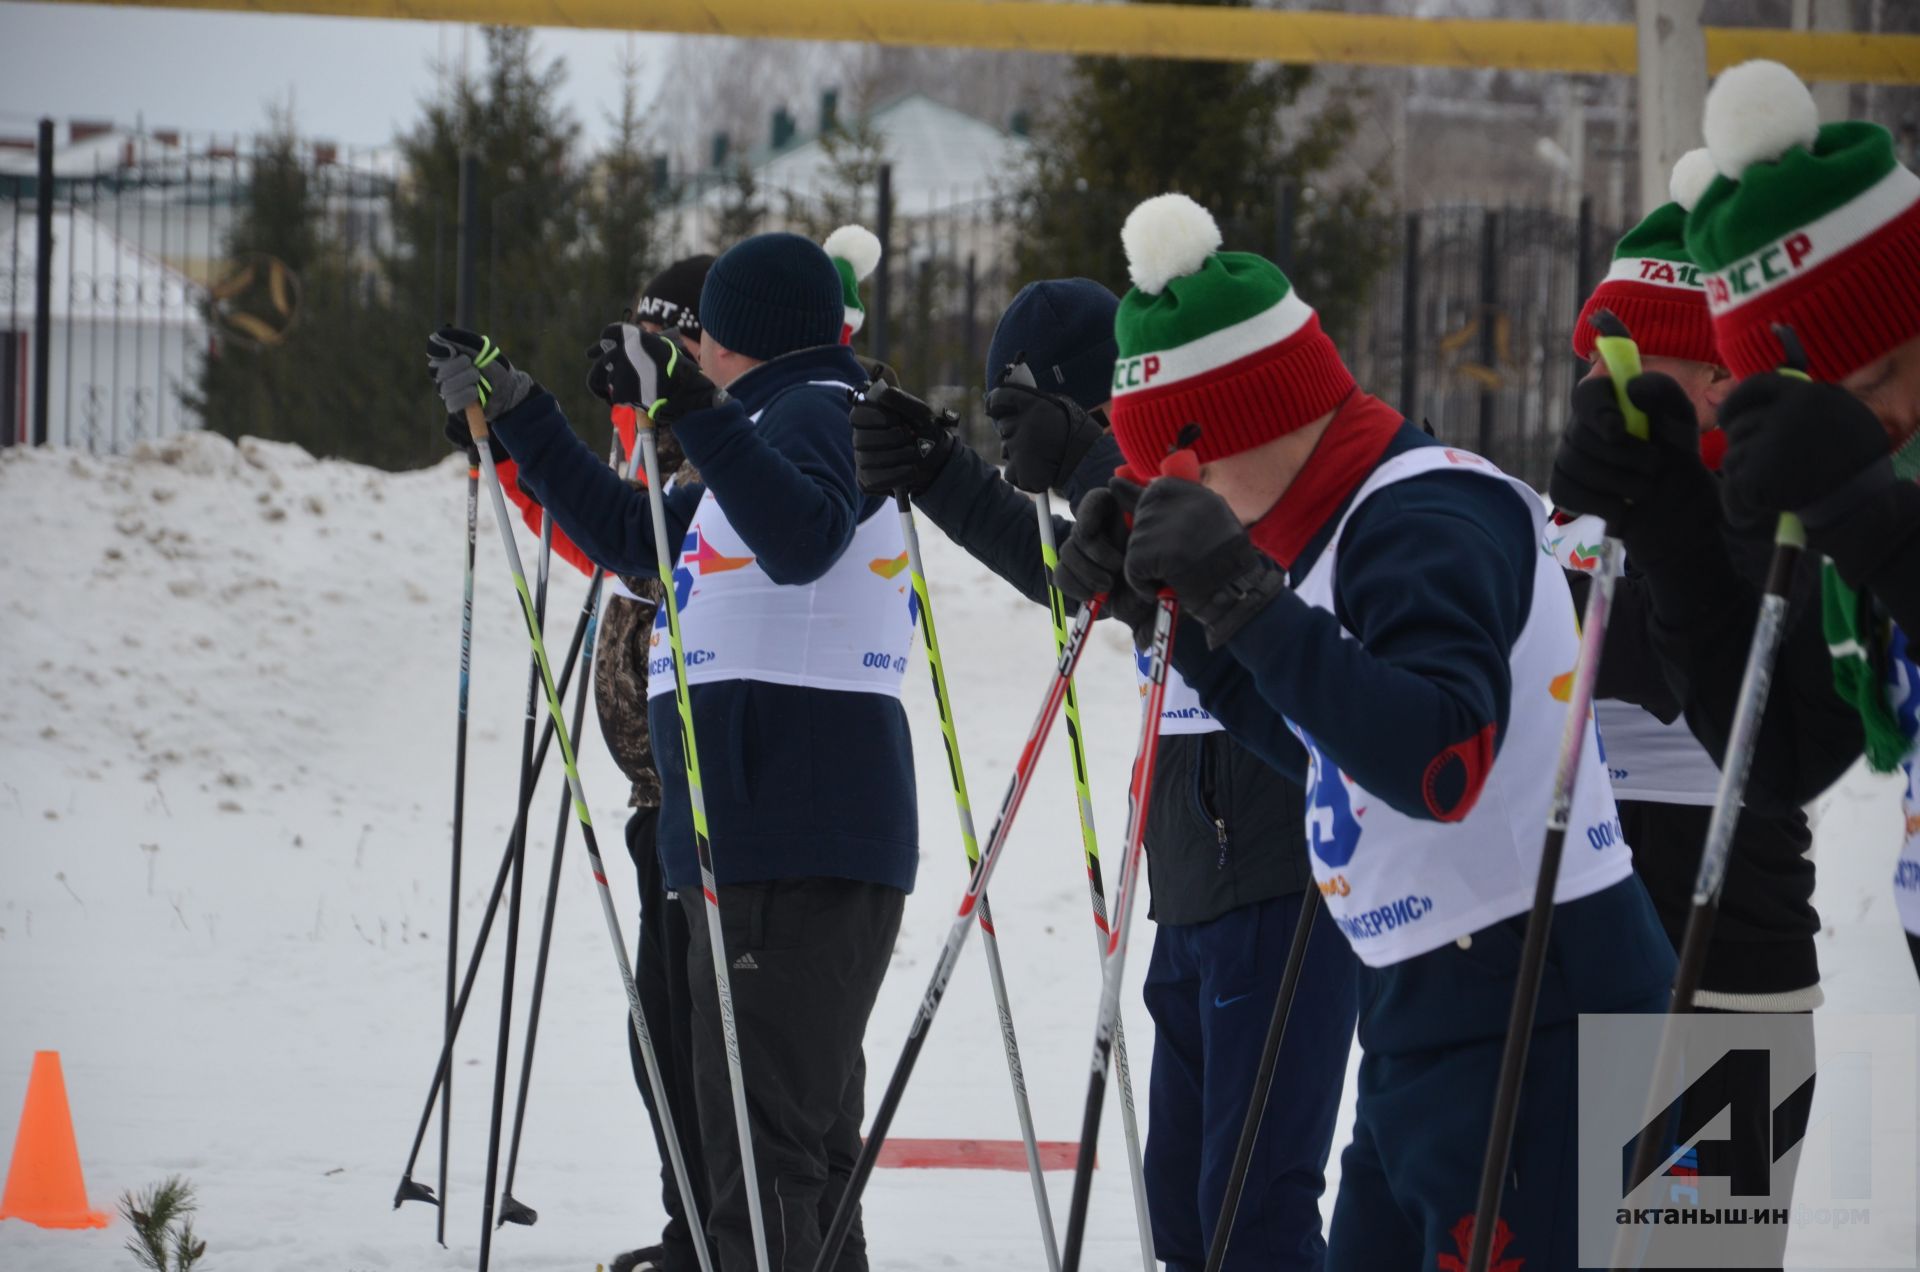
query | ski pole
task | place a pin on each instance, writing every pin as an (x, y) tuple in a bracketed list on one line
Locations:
[(1263, 1079), (1622, 359), (989, 940), (512, 1210), (1023, 769), (1020, 373), (477, 422), (702, 842), (1789, 541), (536, 617), (410, 1189), (1138, 796), (459, 825)]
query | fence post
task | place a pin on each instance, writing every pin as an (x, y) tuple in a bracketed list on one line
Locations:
[(1285, 211), (1410, 319), (969, 346), (1584, 252), (1489, 304), (42, 285), (883, 230), (464, 301)]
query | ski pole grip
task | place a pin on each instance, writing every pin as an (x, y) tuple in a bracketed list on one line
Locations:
[(1615, 345), (477, 421)]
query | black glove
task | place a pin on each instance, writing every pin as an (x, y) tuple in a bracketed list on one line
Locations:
[(1651, 493), (1043, 436), (649, 372), (1186, 538), (1797, 446), (1093, 561), (899, 442), (469, 368)]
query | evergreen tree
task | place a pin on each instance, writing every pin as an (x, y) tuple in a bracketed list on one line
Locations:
[(620, 205), (1130, 128)]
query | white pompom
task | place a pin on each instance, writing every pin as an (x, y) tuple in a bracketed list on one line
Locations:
[(1756, 112), (1167, 237), (1691, 177), (857, 246)]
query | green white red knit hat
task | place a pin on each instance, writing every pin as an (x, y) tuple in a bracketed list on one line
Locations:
[(855, 252), (1815, 227), (1217, 339), (1653, 286)]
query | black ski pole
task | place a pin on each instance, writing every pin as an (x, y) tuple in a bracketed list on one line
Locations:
[(1622, 358), (1263, 1078), (1789, 542), (537, 616), (1023, 770), (1114, 966), (459, 826), (513, 1210), (410, 1189)]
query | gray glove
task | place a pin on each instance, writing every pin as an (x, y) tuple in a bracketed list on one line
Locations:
[(469, 368)]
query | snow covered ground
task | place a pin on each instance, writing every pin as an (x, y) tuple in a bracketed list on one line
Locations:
[(225, 776)]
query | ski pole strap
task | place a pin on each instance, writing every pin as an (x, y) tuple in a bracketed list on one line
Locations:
[(1616, 348)]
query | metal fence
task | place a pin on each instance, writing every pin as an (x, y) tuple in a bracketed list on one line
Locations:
[(1466, 327)]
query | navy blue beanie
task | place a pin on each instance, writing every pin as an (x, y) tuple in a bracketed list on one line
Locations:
[(772, 294), (1064, 326)]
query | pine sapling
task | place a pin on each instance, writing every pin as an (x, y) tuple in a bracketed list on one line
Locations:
[(162, 1222)]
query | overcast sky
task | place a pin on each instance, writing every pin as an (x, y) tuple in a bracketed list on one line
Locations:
[(352, 81)]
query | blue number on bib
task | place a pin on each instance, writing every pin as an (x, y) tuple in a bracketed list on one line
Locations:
[(1332, 830)]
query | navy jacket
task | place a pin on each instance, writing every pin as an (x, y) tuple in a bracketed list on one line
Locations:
[(799, 783), (1223, 829)]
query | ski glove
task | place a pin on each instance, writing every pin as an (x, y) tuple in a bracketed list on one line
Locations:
[(899, 442), (1654, 495), (1043, 436), (1093, 561), (649, 372), (469, 368), (1186, 538), (1797, 446)]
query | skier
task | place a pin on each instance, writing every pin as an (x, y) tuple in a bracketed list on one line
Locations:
[(795, 648), (1370, 612), (668, 305), (1818, 229), (1762, 957), (1226, 856)]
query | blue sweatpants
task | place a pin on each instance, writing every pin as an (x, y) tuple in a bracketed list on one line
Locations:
[(1210, 989), (1410, 1179)]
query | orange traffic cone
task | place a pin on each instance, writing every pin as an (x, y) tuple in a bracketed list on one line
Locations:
[(44, 1184)]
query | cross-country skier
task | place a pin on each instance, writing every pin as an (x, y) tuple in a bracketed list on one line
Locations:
[(1225, 853), (1370, 611), (668, 305), (795, 645), (1817, 228)]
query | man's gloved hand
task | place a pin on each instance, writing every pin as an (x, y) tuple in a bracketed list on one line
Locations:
[(1093, 561), (899, 442), (1043, 436), (1186, 538), (1797, 446), (469, 368), (649, 372), (1646, 490)]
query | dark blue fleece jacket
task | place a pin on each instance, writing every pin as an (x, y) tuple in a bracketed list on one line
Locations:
[(799, 782)]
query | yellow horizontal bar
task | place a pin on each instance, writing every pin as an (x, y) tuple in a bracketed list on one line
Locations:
[(1146, 30)]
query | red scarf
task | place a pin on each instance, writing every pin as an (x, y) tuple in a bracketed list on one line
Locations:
[(1351, 447)]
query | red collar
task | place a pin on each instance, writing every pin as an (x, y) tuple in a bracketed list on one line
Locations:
[(1351, 447)]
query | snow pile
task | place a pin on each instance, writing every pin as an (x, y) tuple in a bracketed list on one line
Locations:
[(225, 786)]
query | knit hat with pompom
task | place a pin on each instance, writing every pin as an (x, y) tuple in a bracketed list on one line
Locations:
[(1213, 338), (1814, 227), (855, 252), (1653, 286)]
